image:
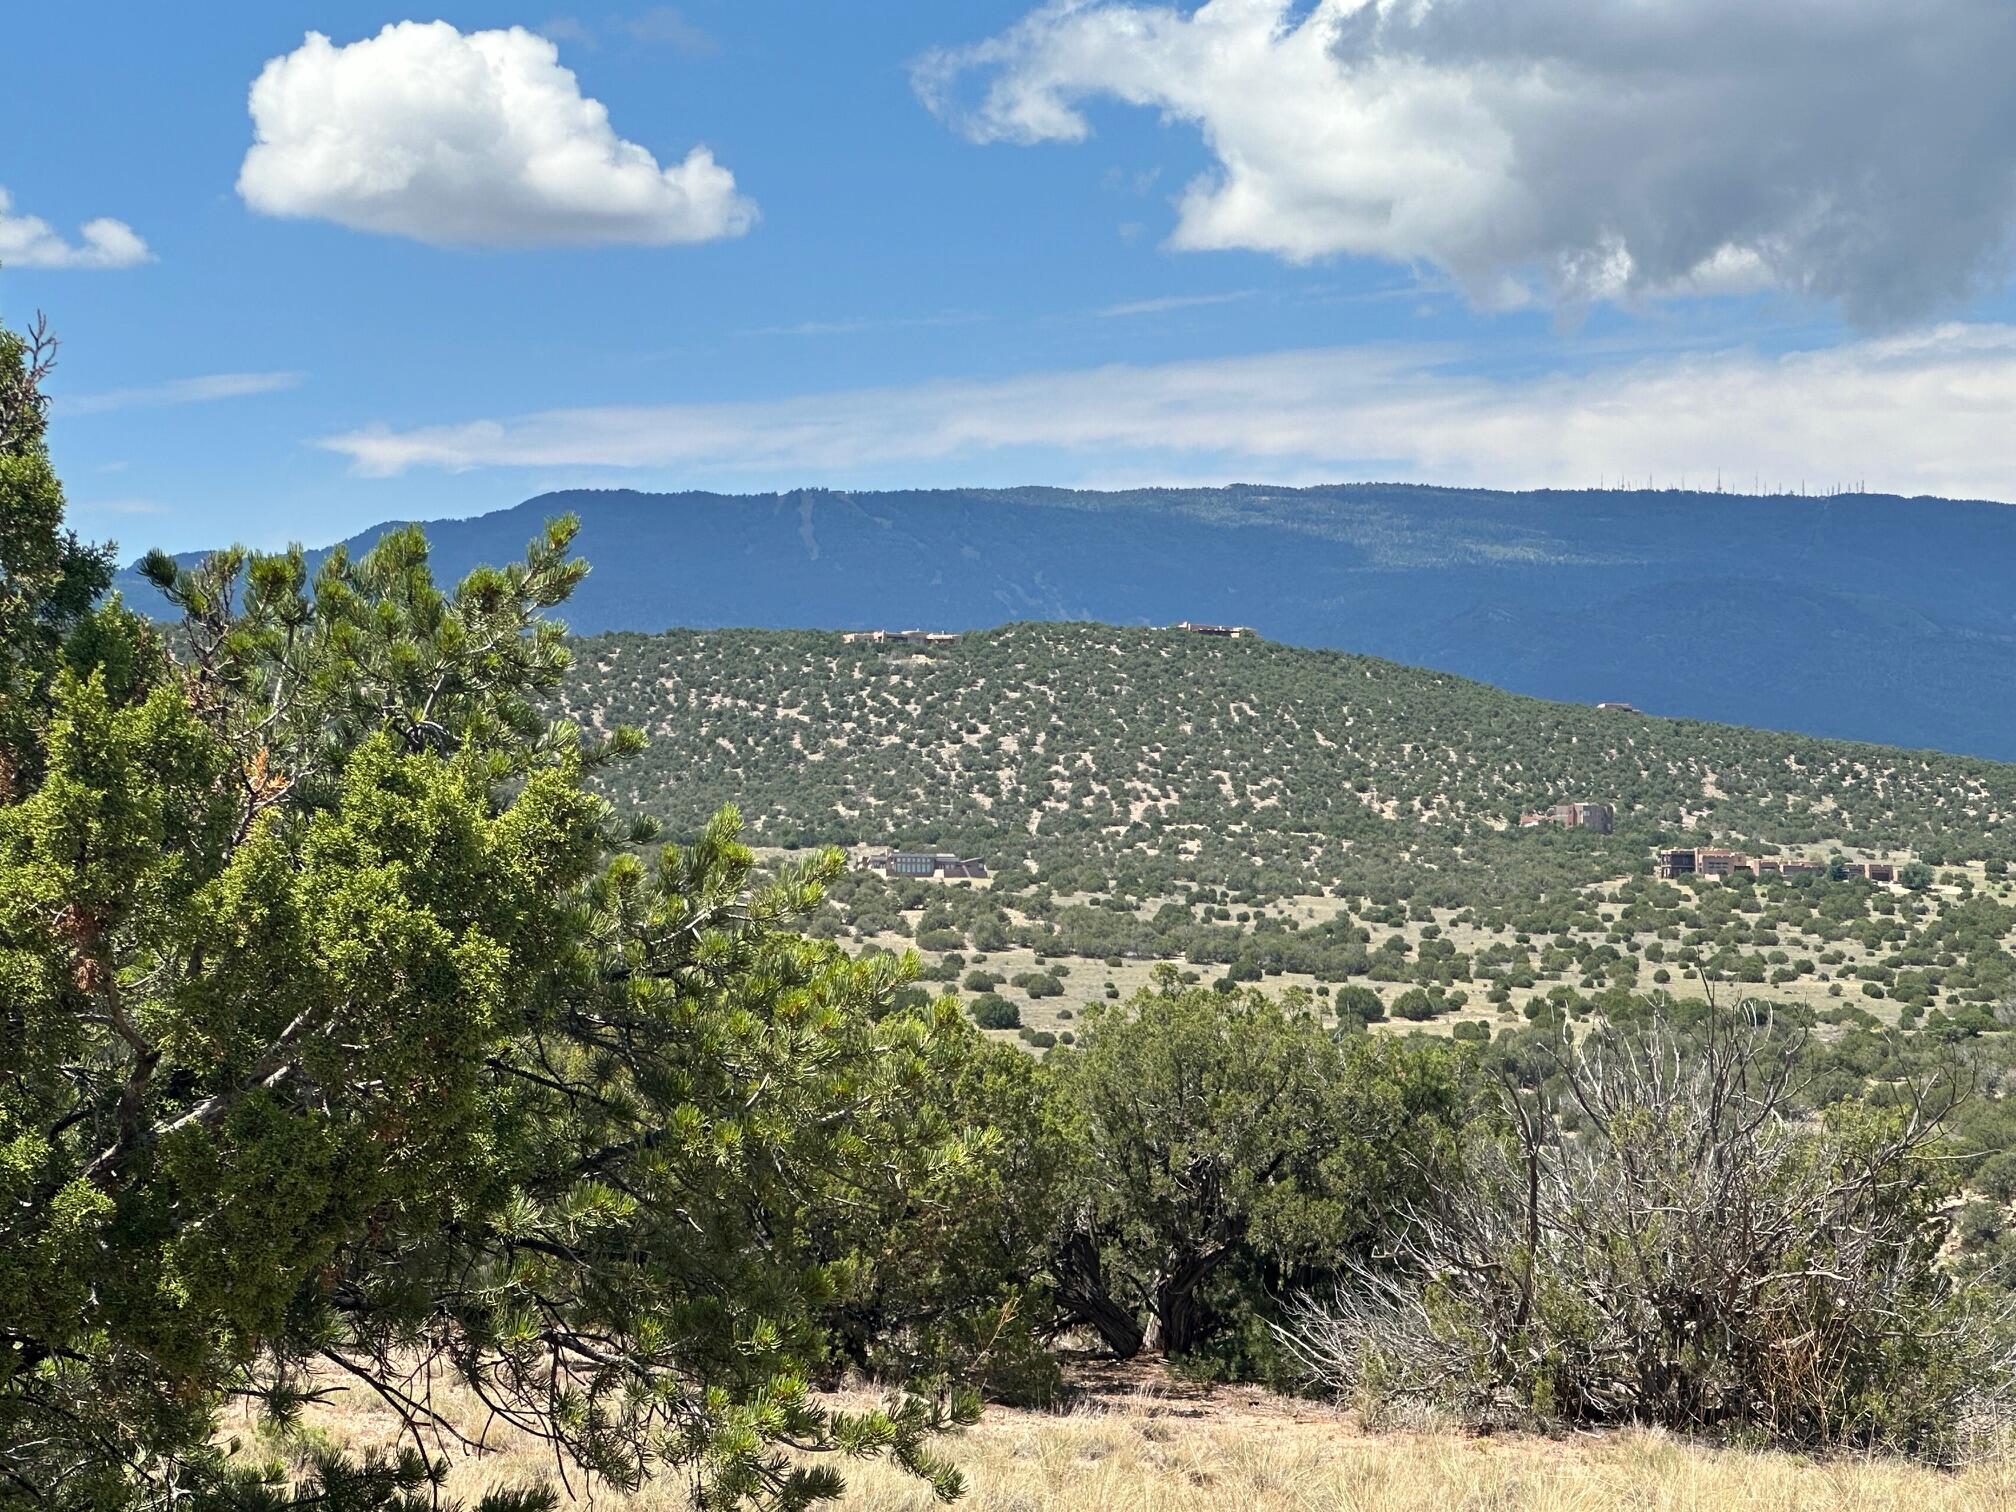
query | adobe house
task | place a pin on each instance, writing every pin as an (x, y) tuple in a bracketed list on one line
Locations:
[(1708, 862)]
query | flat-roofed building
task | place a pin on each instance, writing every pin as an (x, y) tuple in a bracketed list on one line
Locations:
[(1782, 866), (923, 864), (1706, 861), (901, 637), (1676, 863), (1701, 861)]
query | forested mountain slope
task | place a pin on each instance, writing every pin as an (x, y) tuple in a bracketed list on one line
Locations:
[(1861, 616)]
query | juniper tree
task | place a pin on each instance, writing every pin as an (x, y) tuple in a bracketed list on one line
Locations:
[(942, 1266), (1224, 1129), (350, 1042)]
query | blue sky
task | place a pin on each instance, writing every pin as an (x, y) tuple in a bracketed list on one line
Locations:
[(1000, 243)]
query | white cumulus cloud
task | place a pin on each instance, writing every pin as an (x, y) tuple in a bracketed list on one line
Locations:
[(27, 241), (1924, 413), (1856, 150), (467, 140)]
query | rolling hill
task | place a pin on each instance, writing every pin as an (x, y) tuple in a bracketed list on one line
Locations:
[(1869, 617), (1195, 755), (1151, 795)]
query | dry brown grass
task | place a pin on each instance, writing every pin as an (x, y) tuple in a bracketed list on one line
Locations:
[(1142, 1445)]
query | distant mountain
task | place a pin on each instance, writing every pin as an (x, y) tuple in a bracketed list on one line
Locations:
[(1862, 616)]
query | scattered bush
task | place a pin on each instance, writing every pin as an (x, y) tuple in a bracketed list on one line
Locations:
[(1360, 1003), (1418, 1006), (992, 1011), (1698, 1255)]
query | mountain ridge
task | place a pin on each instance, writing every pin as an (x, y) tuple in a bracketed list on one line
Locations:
[(1871, 617)]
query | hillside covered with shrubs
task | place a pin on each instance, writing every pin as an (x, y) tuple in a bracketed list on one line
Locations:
[(1248, 810), (1090, 747)]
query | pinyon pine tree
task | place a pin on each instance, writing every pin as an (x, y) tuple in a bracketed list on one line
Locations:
[(350, 1044)]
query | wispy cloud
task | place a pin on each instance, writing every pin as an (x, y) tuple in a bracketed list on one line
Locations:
[(201, 390), (1923, 413), (666, 26), (660, 26), (1170, 302), (817, 328), (569, 29), (849, 325)]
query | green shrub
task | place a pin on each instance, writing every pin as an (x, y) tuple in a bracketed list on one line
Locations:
[(992, 1011), (1361, 1003), (1417, 1006)]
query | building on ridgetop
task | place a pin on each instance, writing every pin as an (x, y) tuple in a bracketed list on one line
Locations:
[(1234, 632), (895, 863), (1619, 708), (1599, 817), (904, 637)]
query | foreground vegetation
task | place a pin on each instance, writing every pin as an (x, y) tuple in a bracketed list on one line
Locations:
[(359, 1043), (346, 1028)]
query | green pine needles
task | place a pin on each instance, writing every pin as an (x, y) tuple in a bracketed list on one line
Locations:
[(352, 1043)]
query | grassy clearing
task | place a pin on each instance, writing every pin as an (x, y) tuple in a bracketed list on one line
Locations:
[(1086, 977), (1138, 1443)]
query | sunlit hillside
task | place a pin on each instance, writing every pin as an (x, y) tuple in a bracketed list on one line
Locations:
[(1313, 819)]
